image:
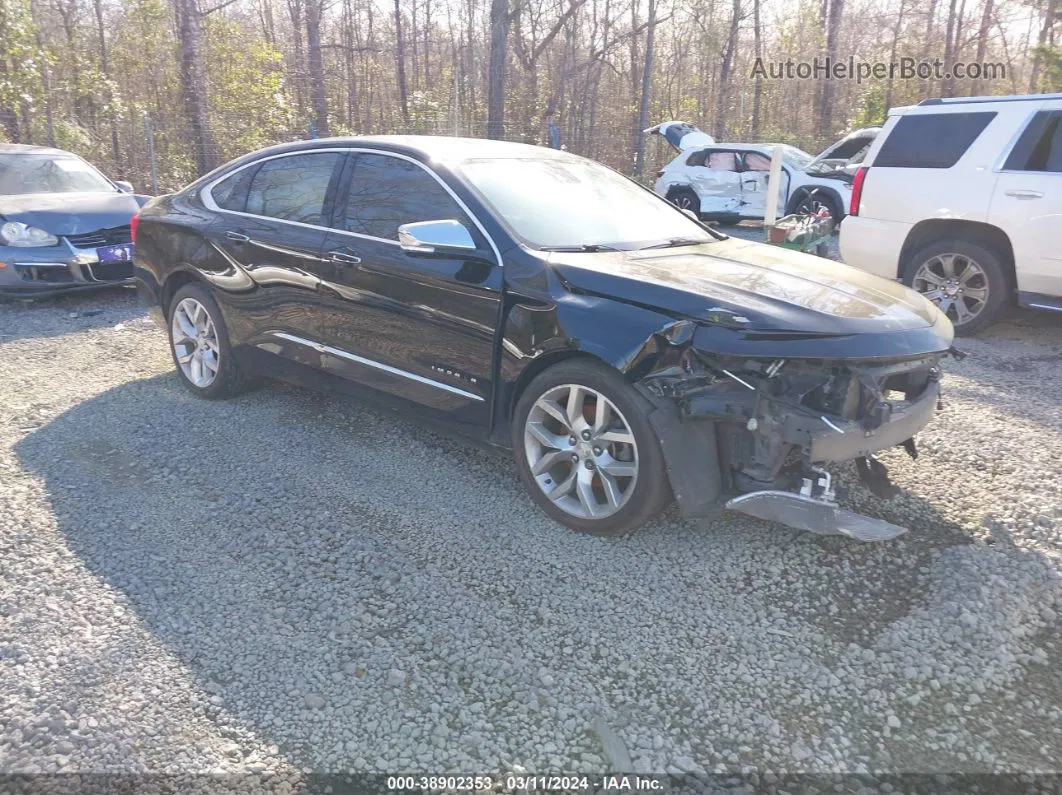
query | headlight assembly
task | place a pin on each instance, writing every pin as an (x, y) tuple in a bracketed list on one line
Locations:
[(20, 235)]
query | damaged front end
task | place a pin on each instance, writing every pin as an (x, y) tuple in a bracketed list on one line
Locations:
[(778, 422)]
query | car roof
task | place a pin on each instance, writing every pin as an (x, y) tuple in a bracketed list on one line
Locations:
[(29, 149), (937, 104), (421, 147)]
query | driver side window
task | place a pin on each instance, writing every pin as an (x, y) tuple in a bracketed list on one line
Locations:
[(386, 192)]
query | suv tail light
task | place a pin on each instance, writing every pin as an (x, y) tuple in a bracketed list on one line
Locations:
[(857, 189), (659, 174), (132, 226)]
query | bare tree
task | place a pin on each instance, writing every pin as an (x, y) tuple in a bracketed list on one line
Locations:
[(194, 83), (500, 19), (400, 63), (318, 93), (722, 108)]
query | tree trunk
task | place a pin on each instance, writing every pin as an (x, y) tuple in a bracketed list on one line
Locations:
[(400, 64), (892, 52), (194, 84), (105, 67), (499, 41), (295, 12), (722, 106), (949, 49), (647, 80), (757, 92), (1045, 32), (982, 39), (315, 58), (833, 29), (926, 86)]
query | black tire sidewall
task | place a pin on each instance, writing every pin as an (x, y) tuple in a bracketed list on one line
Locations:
[(651, 491), (229, 379), (675, 193), (991, 263)]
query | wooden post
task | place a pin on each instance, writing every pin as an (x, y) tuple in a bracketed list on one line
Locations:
[(771, 213)]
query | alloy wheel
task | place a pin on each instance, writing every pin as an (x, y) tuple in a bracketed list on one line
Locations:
[(684, 201), (581, 451), (195, 342), (956, 283)]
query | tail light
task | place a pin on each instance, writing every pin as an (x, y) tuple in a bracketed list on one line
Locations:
[(857, 189), (132, 226), (659, 174)]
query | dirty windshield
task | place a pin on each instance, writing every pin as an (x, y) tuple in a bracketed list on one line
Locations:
[(49, 174), (561, 204)]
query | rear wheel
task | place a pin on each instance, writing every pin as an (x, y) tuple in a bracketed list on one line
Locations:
[(586, 451), (200, 346), (965, 280)]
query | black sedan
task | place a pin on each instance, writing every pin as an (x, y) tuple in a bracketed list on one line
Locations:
[(541, 302), (63, 225)]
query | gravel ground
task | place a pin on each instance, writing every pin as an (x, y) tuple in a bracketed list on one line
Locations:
[(288, 582)]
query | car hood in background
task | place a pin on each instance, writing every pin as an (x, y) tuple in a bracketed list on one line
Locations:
[(69, 213), (681, 135), (752, 287), (848, 148)]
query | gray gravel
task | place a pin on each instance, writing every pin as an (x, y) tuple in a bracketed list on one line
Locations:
[(290, 582)]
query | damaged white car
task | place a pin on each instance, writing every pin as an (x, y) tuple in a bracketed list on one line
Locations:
[(729, 182)]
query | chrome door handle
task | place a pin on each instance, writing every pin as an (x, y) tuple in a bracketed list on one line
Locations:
[(346, 259), (1025, 194), (237, 237)]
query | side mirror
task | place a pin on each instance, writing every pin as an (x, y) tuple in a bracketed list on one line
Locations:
[(425, 237), (123, 186)]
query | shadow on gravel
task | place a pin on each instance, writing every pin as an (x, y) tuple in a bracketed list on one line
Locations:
[(314, 562), (22, 318)]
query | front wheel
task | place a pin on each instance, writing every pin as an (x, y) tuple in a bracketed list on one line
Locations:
[(586, 451)]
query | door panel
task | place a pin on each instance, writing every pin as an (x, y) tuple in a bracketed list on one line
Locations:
[(1027, 203), (419, 326), (755, 179), (275, 236), (715, 177)]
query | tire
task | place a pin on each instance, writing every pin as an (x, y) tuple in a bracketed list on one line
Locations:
[(991, 280), (810, 201), (212, 337), (685, 199), (635, 499)]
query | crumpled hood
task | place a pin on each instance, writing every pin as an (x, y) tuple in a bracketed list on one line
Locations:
[(69, 213), (770, 288)]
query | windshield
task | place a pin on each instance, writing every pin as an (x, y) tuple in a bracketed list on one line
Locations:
[(797, 158), (49, 174), (554, 203)]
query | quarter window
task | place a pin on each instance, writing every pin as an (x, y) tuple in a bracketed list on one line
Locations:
[(386, 192), (231, 192), (294, 187), (931, 140), (1040, 146)]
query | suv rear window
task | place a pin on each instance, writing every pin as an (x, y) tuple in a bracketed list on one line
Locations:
[(1040, 146), (931, 140)]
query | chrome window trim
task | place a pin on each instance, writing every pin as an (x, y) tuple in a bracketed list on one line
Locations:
[(322, 348), (208, 199)]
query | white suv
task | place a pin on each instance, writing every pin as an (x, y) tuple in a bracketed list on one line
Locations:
[(962, 200), (728, 182)]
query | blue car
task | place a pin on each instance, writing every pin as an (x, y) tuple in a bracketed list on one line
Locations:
[(64, 226)]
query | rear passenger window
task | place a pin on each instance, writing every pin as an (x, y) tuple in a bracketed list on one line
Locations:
[(697, 158), (931, 140), (1040, 145), (293, 187), (723, 161)]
